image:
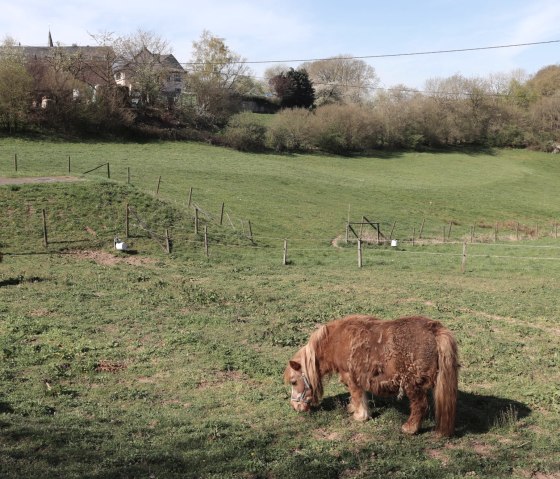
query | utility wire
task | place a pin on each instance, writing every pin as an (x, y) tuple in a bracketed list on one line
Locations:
[(384, 55)]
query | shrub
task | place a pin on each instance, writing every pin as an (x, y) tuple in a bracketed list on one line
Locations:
[(244, 133), (290, 130), (343, 129)]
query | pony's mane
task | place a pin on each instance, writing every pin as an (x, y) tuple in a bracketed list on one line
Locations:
[(308, 355)]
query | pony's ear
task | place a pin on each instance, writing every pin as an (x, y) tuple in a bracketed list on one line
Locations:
[(295, 366)]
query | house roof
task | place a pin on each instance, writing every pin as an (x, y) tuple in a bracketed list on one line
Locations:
[(171, 62), (89, 53), (167, 61)]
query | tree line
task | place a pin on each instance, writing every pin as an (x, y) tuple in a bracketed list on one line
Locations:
[(333, 105)]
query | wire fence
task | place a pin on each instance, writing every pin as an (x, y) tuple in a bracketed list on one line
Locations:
[(199, 232), (203, 238)]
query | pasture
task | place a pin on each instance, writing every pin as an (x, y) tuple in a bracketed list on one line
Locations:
[(170, 365)]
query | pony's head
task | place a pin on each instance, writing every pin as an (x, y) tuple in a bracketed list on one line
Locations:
[(302, 372), (302, 392)]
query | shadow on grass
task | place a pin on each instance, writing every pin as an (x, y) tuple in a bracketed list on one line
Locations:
[(20, 280), (476, 413), (104, 448)]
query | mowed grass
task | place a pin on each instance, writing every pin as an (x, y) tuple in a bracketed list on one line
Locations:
[(156, 365)]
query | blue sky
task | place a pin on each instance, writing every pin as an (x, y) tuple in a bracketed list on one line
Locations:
[(262, 30)]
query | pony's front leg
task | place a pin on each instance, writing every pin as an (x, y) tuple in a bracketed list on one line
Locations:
[(418, 407), (358, 402)]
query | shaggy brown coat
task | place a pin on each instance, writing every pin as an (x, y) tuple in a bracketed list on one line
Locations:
[(407, 356)]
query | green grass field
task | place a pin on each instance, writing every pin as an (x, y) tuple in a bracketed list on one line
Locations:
[(163, 365)]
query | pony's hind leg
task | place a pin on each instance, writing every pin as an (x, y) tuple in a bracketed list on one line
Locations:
[(418, 407)]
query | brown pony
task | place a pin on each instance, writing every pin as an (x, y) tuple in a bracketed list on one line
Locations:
[(407, 356)]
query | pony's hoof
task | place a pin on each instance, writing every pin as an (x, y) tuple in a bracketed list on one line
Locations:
[(409, 429), (364, 416)]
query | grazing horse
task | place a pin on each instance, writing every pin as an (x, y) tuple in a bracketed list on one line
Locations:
[(406, 356)]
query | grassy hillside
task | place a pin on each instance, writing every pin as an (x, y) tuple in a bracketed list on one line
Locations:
[(309, 195), (156, 365)]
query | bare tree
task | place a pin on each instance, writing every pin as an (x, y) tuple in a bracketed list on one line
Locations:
[(216, 76), (341, 79), (141, 58), (214, 62)]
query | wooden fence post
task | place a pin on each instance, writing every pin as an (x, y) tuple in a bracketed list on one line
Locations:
[(359, 253), (158, 183), (285, 255), (222, 214), (108, 171), (464, 258), (127, 221), (190, 197), (128, 175), (68, 164), (250, 231), (196, 221), (45, 237), (167, 242), (206, 240), (413, 234)]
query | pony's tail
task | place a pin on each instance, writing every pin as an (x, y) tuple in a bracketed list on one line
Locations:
[(445, 393)]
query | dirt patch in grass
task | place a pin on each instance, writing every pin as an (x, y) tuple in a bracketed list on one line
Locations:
[(107, 259), (37, 179), (326, 435), (106, 366), (438, 455)]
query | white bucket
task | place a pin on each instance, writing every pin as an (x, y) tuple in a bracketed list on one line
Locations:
[(394, 243)]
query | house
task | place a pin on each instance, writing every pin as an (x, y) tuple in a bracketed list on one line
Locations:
[(99, 67), (145, 69)]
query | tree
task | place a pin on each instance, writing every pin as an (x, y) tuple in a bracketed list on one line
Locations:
[(213, 62), (294, 89), (217, 76), (15, 86), (546, 82), (341, 79), (142, 58)]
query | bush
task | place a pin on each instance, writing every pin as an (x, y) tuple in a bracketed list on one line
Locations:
[(290, 130), (244, 133), (343, 129)]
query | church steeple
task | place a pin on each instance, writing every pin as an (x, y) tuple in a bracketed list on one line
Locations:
[(51, 44)]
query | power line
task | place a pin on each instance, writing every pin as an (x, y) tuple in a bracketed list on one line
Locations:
[(384, 55)]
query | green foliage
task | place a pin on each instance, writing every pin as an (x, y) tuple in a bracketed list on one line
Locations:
[(291, 130), (294, 89), (244, 133), (15, 86)]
